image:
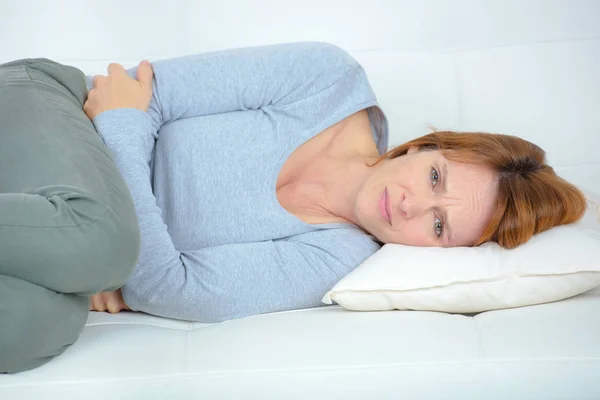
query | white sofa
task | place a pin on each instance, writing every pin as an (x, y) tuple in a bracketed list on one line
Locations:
[(529, 68)]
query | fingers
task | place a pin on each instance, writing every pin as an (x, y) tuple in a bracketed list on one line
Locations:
[(96, 303), (115, 69), (106, 301), (97, 78), (145, 74), (113, 307)]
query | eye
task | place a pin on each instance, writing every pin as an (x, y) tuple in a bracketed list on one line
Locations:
[(434, 177), (438, 227)]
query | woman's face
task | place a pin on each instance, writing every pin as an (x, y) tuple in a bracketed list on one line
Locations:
[(424, 199)]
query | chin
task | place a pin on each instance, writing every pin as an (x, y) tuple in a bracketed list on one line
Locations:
[(381, 237)]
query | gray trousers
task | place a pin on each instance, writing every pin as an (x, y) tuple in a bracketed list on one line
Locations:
[(68, 227)]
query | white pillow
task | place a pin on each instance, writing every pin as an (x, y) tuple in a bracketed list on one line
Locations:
[(559, 263)]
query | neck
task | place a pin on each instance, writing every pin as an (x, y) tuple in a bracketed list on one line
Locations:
[(326, 187), (332, 186)]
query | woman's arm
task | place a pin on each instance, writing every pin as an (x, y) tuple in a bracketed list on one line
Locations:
[(248, 78), (273, 78), (268, 78), (219, 283)]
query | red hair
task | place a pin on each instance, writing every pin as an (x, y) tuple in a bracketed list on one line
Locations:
[(531, 197)]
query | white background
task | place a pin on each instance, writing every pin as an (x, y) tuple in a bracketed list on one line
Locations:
[(525, 67)]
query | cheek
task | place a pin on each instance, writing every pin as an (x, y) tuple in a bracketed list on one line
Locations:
[(365, 201), (413, 182), (412, 233), (369, 195)]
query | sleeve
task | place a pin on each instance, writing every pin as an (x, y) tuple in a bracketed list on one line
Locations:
[(218, 283), (232, 281), (250, 78)]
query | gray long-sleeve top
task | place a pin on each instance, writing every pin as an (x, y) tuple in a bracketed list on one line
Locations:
[(202, 163)]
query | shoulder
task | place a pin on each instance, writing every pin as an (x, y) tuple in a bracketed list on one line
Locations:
[(320, 54)]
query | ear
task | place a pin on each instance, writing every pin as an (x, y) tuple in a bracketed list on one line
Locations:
[(412, 149)]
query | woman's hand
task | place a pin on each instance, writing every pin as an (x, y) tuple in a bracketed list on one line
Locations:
[(119, 90), (108, 301)]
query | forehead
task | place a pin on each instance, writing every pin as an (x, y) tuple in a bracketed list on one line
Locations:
[(463, 176), (468, 177), (470, 197)]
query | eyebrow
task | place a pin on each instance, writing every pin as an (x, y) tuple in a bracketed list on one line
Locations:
[(447, 229)]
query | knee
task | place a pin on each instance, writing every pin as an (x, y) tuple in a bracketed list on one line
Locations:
[(111, 253), (88, 244), (123, 250), (37, 324), (98, 254)]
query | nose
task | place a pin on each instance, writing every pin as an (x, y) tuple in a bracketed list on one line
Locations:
[(411, 206)]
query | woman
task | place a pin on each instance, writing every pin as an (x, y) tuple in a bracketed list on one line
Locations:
[(270, 182)]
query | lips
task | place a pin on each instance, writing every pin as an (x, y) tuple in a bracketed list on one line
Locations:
[(384, 206), (387, 206)]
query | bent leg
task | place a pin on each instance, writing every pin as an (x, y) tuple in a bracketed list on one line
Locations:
[(67, 220), (37, 324)]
